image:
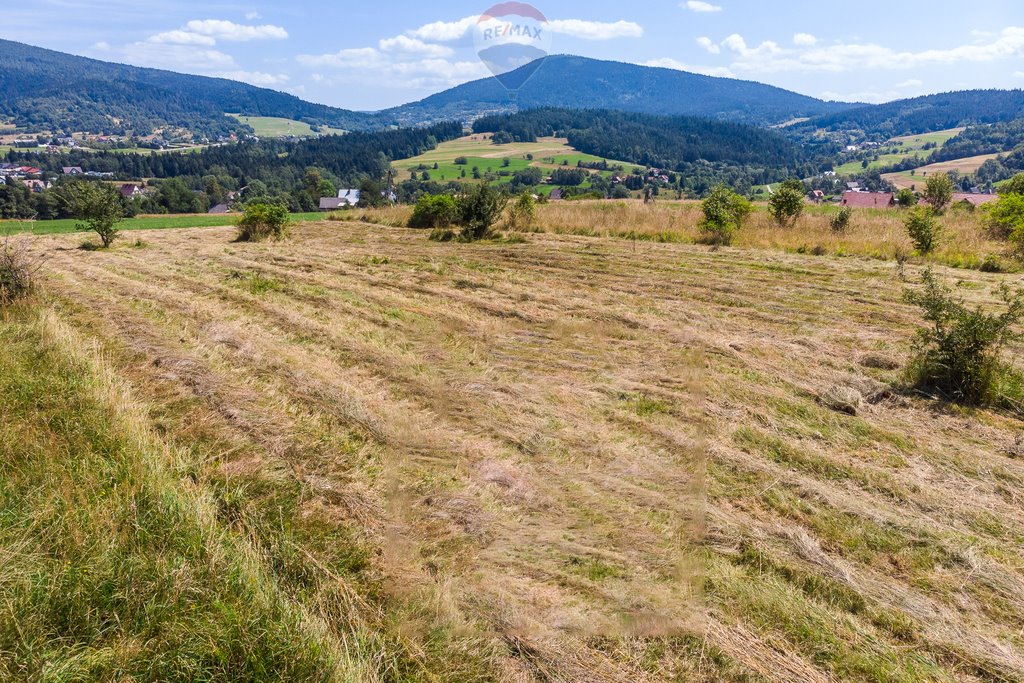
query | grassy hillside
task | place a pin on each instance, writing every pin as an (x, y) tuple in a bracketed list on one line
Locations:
[(276, 127), (899, 148), (10, 227), (503, 462)]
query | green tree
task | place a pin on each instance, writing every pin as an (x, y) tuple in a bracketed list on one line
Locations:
[(1006, 218), (371, 194), (523, 212), (787, 204), (434, 211), (724, 214), (1014, 185), (938, 191), (98, 206)]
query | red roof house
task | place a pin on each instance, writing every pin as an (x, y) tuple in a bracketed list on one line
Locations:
[(869, 200)]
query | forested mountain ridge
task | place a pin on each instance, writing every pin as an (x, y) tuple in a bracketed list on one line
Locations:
[(925, 114), (62, 92), (572, 82)]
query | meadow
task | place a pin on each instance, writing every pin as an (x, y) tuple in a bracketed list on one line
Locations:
[(11, 227), (275, 127), (899, 148), (575, 457), (876, 234)]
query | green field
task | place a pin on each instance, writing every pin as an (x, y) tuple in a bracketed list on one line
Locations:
[(200, 220), (898, 149), (274, 127), (479, 151)]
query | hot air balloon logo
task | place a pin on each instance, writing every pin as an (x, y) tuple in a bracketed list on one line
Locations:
[(512, 40)]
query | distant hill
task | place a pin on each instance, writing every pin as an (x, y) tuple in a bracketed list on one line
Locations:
[(578, 82), (925, 114), (58, 91)]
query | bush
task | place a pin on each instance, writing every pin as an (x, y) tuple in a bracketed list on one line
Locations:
[(480, 207), (1005, 218), (724, 214), (840, 220), (461, 161), (906, 199), (923, 229), (434, 211), (522, 213), (18, 270), (959, 355), (263, 221)]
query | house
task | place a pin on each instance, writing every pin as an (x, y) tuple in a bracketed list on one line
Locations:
[(130, 191), (219, 208), (37, 185), (71, 170), (349, 197), (556, 194), (974, 199), (853, 187), (868, 200), (332, 203), (817, 196)]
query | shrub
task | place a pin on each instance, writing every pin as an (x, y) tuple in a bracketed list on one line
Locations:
[(1005, 218), (959, 354), (99, 208), (923, 229), (938, 191), (461, 161), (434, 211), (786, 205), (263, 221), (724, 214), (906, 199), (18, 270), (522, 213), (840, 220), (479, 208), (1013, 186)]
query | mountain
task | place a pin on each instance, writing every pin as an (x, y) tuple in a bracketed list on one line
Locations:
[(56, 91), (925, 114), (565, 81)]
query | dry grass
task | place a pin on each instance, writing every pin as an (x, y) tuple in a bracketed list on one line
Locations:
[(872, 233), (529, 439)]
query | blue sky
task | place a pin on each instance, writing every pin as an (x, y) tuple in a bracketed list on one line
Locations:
[(370, 55)]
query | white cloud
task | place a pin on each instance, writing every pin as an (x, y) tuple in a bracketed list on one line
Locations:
[(804, 40), (223, 29), (700, 6), (407, 45), (182, 38), (102, 46), (708, 45), (768, 57), (596, 30), (1018, 74), (185, 58), (444, 31), (910, 83), (263, 80), (372, 66), (669, 63), (253, 16)]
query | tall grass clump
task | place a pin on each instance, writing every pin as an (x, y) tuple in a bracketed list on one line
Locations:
[(18, 271), (840, 220), (959, 355), (262, 221)]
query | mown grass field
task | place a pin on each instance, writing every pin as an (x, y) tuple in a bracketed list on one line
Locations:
[(10, 227), (572, 458), (275, 127)]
